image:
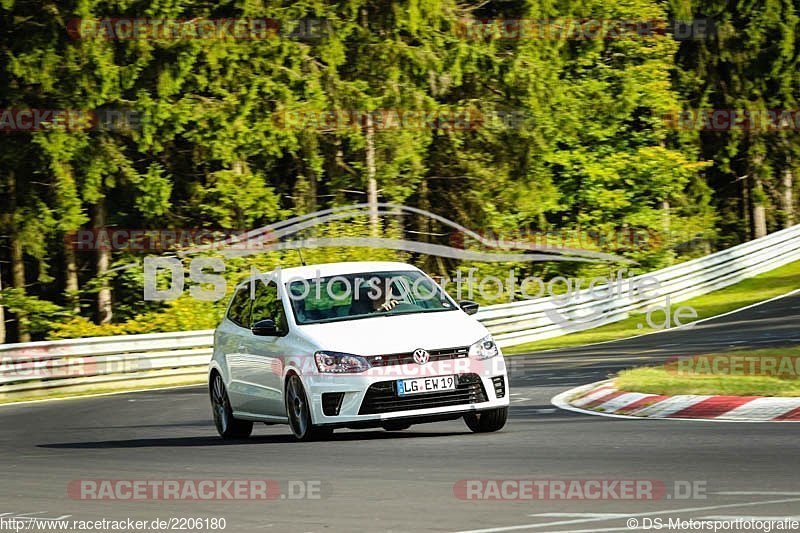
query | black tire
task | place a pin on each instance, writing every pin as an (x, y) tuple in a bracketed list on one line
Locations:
[(298, 411), (228, 427), (487, 421), (396, 426)]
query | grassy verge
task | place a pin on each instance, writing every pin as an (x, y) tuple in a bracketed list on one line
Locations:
[(697, 377), (747, 292)]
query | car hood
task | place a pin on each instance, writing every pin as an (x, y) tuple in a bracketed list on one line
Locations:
[(396, 334)]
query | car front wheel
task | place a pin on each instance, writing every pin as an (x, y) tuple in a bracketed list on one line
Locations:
[(487, 421), (228, 427), (298, 410)]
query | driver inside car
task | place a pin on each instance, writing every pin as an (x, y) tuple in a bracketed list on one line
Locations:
[(372, 299), (383, 301)]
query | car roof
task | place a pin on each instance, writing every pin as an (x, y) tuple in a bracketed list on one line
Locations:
[(324, 270)]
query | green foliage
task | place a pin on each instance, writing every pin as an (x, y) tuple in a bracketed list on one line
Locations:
[(749, 62), (40, 314), (182, 314), (582, 147)]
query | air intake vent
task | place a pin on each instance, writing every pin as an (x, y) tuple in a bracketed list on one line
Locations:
[(499, 386), (331, 403)]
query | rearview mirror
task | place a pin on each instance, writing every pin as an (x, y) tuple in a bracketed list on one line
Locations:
[(468, 306), (265, 328)]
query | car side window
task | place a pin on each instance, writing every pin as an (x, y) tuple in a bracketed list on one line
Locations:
[(267, 304), (239, 311)]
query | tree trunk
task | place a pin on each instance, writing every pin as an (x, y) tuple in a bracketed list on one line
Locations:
[(759, 211), (101, 266), (18, 280), (312, 191), (757, 197), (744, 207), (372, 184), (239, 167), (2, 314), (423, 222), (71, 287), (759, 221), (665, 221), (787, 198), (17, 261), (312, 148), (666, 231), (305, 189)]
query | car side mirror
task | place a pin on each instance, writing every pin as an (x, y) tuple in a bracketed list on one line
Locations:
[(468, 306), (265, 328)]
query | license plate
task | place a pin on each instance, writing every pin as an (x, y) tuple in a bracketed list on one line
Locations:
[(420, 385)]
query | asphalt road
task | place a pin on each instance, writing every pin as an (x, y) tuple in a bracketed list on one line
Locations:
[(381, 481)]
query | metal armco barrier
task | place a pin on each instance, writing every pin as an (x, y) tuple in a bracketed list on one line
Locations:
[(162, 359), (76, 365), (542, 318)]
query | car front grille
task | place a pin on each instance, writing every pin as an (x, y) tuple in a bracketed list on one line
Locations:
[(408, 358), (382, 397)]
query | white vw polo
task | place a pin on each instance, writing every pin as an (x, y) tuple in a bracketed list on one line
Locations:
[(355, 345)]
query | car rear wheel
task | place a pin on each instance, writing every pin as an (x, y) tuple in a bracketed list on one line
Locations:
[(487, 421), (228, 427), (298, 410)]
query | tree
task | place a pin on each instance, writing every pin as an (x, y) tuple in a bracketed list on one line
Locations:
[(747, 64)]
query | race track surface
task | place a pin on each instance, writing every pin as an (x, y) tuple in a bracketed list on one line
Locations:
[(404, 481)]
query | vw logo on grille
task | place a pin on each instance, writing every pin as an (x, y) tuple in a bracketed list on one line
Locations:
[(421, 356)]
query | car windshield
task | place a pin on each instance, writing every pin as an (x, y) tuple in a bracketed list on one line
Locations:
[(354, 296)]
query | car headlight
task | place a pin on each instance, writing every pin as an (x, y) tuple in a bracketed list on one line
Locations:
[(340, 363), (484, 348)]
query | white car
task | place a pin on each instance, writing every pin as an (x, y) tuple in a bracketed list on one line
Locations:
[(355, 345)]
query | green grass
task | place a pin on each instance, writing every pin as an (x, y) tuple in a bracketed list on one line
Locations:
[(750, 291), (665, 380)]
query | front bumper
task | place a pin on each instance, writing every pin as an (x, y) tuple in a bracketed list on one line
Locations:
[(370, 398)]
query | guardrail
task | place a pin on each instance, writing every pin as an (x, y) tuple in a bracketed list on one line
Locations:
[(542, 318), (76, 365), (161, 359)]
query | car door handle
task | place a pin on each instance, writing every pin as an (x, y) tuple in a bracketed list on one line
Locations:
[(241, 348)]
